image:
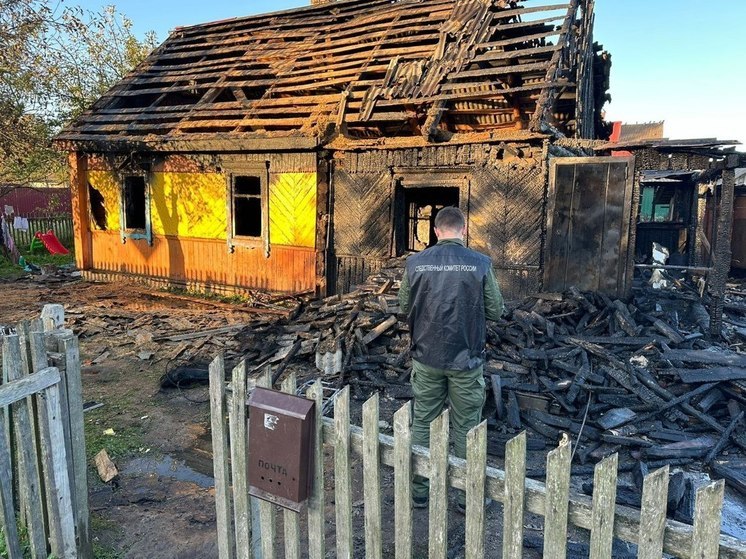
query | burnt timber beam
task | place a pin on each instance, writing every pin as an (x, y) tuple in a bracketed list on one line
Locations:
[(548, 95), (722, 247)]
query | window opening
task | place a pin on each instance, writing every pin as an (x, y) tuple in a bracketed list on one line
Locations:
[(420, 205), (135, 215), (247, 206), (98, 207)]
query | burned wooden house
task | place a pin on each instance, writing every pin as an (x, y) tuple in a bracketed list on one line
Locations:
[(299, 150)]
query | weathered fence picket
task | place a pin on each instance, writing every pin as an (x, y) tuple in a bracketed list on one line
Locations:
[(558, 497), (402, 481), (267, 515), (220, 453), (604, 499), (648, 527), (238, 449), (653, 514), (29, 483), (342, 475), (438, 529), (291, 519), (476, 474), (316, 519), (708, 506), (515, 480), (371, 479), (42, 453)]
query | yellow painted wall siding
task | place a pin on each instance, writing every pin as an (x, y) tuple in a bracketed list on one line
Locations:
[(292, 209), (107, 184), (189, 205)]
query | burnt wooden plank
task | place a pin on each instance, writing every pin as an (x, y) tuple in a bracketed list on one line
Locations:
[(721, 357), (715, 374)]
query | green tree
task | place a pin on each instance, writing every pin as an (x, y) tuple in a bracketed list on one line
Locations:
[(55, 62)]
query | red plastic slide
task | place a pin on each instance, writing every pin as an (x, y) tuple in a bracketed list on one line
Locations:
[(51, 242)]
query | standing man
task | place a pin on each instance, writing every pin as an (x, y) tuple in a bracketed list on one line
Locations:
[(448, 292)]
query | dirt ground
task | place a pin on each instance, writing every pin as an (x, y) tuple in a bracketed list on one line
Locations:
[(162, 504)]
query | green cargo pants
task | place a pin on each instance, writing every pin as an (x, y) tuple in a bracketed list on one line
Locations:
[(465, 392)]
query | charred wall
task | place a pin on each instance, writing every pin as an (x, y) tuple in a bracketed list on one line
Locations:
[(501, 188)]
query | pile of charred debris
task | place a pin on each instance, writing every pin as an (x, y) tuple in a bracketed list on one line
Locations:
[(641, 378)]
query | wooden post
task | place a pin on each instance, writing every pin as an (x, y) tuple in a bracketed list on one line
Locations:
[(708, 506), (62, 503), (6, 498), (226, 543), (604, 505), (515, 482), (476, 473), (29, 481), (322, 223), (558, 496), (79, 188), (722, 251), (342, 477), (238, 448), (39, 362), (438, 528), (372, 479), (267, 516), (403, 481), (291, 519), (653, 514), (69, 347), (316, 521)]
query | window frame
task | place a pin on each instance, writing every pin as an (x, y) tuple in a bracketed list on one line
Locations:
[(262, 173), (139, 233), (406, 178)]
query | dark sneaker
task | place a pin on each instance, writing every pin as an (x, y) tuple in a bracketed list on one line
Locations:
[(419, 501), (461, 507)]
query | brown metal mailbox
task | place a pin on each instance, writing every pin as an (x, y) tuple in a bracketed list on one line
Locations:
[(280, 447)]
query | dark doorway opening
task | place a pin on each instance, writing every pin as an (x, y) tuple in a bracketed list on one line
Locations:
[(415, 215)]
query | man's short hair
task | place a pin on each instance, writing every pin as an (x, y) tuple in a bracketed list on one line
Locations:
[(450, 219)]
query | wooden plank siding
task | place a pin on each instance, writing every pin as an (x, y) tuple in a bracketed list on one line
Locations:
[(206, 262), (502, 189), (190, 217)]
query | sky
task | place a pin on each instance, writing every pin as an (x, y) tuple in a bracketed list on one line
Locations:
[(680, 61)]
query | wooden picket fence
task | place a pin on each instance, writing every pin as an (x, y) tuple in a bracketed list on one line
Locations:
[(560, 507), (43, 478), (62, 227)]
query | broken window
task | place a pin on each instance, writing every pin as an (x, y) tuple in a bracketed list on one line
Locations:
[(98, 207), (247, 206), (135, 202), (418, 207), (666, 213)]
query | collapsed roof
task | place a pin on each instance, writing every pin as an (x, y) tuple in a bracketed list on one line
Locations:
[(360, 68)]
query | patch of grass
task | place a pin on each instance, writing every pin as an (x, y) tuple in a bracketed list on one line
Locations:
[(103, 552), (22, 536), (210, 296), (10, 270), (125, 441)]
